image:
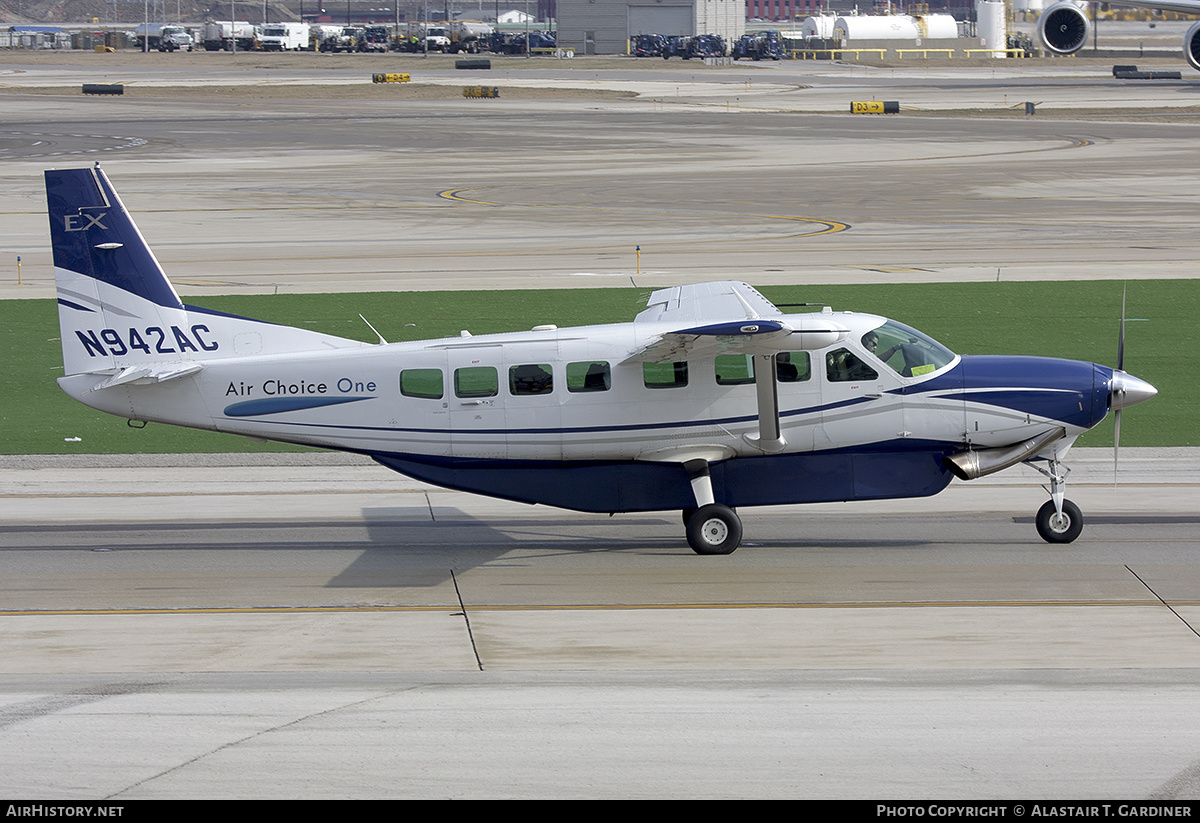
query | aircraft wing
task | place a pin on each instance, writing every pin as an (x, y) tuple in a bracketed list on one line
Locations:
[(1179, 6), (728, 318), (697, 302)]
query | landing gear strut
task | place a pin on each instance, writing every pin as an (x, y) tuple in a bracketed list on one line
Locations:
[(712, 528), (1058, 520)]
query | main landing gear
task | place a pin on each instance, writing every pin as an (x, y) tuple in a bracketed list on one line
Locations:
[(712, 528), (1058, 520)]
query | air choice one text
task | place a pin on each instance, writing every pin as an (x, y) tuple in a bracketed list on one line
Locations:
[(282, 388)]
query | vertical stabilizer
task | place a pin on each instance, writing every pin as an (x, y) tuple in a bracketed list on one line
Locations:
[(93, 236), (108, 281), (118, 313)]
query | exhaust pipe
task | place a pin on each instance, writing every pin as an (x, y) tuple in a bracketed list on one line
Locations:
[(972, 464)]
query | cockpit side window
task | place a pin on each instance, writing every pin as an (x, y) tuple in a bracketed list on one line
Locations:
[(906, 351)]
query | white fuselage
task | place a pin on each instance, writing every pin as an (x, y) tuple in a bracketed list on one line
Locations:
[(367, 411)]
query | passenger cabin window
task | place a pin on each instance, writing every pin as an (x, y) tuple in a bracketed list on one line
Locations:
[(792, 367), (844, 366), (530, 379), (734, 369), (476, 381), (426, 383), (590, 376), (665, 375)]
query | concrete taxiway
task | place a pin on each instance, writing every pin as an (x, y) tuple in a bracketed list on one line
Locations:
[(300, 626), (239, 191), (448, 645)]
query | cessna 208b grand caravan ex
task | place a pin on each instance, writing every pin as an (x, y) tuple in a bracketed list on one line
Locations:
[(712, 398)]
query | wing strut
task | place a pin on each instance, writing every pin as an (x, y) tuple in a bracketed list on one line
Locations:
[(770, 434)]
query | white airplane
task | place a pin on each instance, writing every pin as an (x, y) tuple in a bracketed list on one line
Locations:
[(712, 398), (1064, 28)]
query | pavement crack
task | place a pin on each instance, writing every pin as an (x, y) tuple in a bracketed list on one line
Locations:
[(261, 732), (1172, 609), (466, 619)]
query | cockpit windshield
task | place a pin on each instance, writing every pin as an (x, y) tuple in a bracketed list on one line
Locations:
[(907, 351)]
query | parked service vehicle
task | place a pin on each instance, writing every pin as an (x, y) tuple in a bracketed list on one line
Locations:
[(345, 40), (162, 37), (507, 42), (760, 45), (318, 33), (224, 34), (437, 38), (375, 38), (647, 45), (284, 37), (701, 45), (469, 36)]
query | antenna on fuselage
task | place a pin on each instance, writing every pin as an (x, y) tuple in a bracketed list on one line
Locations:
[(372, 328)]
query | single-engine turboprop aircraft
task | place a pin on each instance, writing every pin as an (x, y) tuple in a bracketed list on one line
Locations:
[(712, 398)]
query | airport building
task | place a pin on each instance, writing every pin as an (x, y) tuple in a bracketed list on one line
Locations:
[(784, 11), (604, 27)]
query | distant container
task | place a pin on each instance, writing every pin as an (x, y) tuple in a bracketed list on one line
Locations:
[(821, 26), (895, 27), (937, 26), (992, 28), (883, 27)]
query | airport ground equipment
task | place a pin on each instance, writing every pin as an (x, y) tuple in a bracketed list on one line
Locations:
[(284, 37), (761, 45), (163, 38)]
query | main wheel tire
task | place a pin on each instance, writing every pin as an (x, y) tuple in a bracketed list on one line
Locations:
[(714, 529), (1059, 530)]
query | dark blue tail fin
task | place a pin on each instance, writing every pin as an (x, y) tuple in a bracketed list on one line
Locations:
[(118, 314), (94, 237)]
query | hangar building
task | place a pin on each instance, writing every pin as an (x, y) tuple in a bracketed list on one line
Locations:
[(605, 26)]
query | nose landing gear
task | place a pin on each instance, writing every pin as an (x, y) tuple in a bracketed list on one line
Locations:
[(1058, 520)]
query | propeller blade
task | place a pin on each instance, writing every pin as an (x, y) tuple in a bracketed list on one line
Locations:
[(1120, 367), (1116, 442), (1121, 334)]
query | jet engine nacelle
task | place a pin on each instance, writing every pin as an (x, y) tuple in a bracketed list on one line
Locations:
[(1191, 46), (1064, 28)]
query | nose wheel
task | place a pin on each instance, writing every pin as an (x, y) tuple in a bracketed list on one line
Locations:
[(1059, 528), (1058, 520)]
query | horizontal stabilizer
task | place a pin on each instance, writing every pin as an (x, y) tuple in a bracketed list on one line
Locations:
[(148, 374)]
